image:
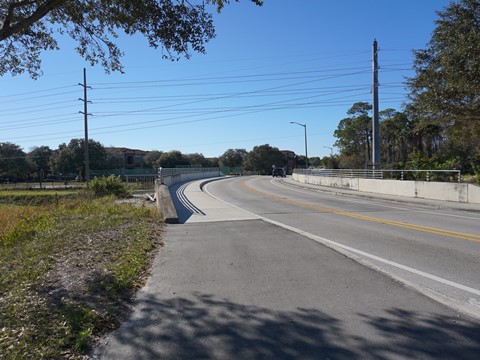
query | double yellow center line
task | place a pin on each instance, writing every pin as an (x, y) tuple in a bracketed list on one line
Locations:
[(426, 229)]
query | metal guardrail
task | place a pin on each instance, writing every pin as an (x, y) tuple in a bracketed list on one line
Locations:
[(419, 175), (346, 173), (426, 175), (141, 181), (187, 170), (123, 172)]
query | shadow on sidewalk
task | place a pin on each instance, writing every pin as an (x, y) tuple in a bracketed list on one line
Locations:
[(204, 327)]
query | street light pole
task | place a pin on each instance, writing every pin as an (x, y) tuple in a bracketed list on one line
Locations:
[(306, 153)]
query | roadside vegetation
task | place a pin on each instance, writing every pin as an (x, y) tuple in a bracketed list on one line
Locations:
[(70, 264), (35, 197)]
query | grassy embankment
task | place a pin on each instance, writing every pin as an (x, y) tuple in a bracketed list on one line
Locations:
[(69, 266)]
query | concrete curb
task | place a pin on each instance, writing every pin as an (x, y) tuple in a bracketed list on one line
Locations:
[(165, 204)]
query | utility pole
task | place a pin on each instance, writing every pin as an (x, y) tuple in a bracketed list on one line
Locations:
[(85, 115), (375, 119)]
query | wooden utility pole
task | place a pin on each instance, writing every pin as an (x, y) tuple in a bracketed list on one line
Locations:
[(375, 118), (85, 115)]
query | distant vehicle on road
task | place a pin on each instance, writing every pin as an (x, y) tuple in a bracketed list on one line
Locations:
[(278, 172)]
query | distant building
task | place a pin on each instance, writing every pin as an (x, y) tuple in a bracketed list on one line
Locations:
[(291, 160), (128, 159)]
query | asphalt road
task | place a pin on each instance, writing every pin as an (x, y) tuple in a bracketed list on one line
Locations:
[(248, 276), (430, 245)]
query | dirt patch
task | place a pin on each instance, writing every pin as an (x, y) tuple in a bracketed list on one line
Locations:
[(141, 199)]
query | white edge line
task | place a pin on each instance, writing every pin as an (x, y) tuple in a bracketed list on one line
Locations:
[(334, 244)]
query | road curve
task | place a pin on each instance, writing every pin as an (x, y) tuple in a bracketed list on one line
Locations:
[(435, 250)]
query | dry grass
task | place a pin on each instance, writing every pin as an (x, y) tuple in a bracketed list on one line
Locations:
[(68, 271)]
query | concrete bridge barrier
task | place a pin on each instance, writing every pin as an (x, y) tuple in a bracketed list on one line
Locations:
[(164, 204), (456, 192)]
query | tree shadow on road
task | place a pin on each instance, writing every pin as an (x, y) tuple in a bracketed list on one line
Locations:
[(204, 327)]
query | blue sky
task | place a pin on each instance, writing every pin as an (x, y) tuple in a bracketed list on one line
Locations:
[(306, 61)]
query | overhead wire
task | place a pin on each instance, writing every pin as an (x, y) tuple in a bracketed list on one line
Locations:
[(229, 96), (43, 96), (37, 105), (184, 101), (209, 79), (37, 91), (255, 109)]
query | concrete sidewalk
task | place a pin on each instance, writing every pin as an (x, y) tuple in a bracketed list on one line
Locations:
[(187, 196)]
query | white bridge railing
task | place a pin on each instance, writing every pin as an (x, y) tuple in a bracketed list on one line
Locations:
[(170, 176), (186, 170), (145, 181), (425, 175)]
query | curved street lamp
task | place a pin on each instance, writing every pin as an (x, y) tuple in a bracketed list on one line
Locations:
[(306, 153)]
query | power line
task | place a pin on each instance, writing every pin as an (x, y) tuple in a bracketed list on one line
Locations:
[(43, 96), (36, 111), (40, 105), (37, 91), (292, 89), (210, 79), (252, 109), (34, 122), (44, 123), (210, 99), (284, 92)]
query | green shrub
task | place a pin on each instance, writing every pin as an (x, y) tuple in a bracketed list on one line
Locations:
[(111, 185), (476, 167)]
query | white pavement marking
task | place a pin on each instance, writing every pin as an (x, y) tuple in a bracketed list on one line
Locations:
[(186, 202), (213, 209), (337, 245)]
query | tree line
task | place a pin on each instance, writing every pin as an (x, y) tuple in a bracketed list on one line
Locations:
[(68, 160), (439, 127)]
